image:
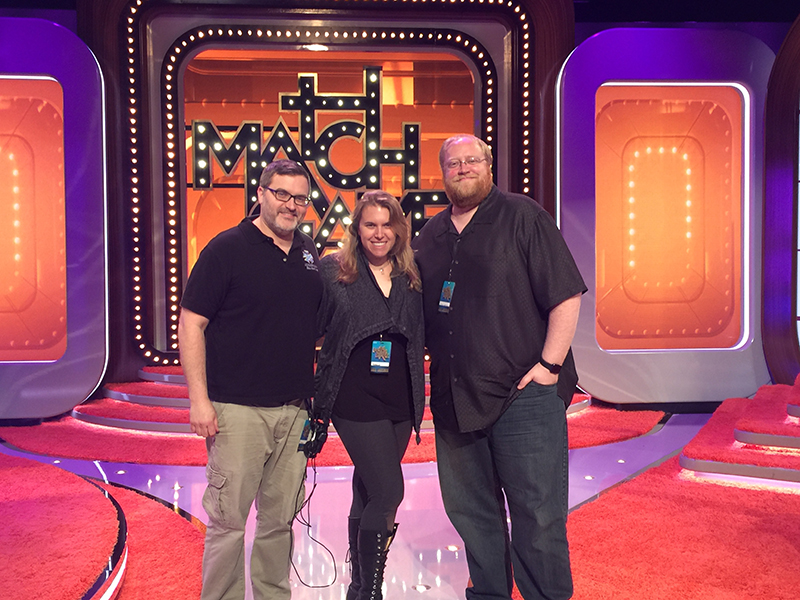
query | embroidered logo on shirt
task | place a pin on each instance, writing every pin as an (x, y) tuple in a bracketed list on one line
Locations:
[(309, 258)]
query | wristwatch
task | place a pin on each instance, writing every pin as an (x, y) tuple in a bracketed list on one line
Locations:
[(554, 369)]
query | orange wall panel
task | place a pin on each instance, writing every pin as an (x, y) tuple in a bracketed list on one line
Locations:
[(669, 205), (33, 312)]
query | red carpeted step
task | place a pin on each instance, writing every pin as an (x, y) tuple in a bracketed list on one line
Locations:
[(715, 450), (173, 370), (163, 374), (765, 422), (793, 400), (148, 392), (128, 415), (59, 533)]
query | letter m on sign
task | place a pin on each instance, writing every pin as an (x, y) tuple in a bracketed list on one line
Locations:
[(207, 141)]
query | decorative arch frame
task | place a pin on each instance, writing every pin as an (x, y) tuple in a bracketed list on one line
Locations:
[(541, 35)]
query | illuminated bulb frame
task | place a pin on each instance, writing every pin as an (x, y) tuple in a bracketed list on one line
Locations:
[(631, 219), (172, 130)]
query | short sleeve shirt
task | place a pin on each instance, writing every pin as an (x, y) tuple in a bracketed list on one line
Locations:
[(261, 304), (510, 266)]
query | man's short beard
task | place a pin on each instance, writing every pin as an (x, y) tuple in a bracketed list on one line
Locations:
[(277, 227), (468, 201)]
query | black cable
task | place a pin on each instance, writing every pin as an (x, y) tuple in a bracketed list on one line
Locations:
[(305, 521)]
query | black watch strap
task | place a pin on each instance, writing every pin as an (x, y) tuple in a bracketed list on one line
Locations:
[(554, 369)]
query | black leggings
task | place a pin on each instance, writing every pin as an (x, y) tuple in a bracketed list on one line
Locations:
[(376, 449)]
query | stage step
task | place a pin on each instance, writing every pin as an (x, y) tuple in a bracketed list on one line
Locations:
[(128, 415), (161, 403), (158, 397), (793, 405), (717, 449), (149, 393), (766, 422), (172, 375)]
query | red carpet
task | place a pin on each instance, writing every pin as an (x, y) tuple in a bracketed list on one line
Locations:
[(165, 551), (715, 442), (57, 533), (667, 535), (69, 438), (596, 426)]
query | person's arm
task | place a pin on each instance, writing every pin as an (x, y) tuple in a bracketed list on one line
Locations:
[(192, 342), (561, 324)]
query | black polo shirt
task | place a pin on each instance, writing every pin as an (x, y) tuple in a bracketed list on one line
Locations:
[(510, 266), (261, 305)]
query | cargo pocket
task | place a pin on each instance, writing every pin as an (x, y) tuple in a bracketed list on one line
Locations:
[(214, 497)]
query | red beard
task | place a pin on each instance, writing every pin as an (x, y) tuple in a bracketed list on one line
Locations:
[(468, 191)]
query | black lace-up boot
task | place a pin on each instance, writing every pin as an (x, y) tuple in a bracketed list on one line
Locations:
[(355, 571), (373, 546)]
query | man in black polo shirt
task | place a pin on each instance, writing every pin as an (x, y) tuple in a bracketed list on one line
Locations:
[(247, 337), (501, 295)]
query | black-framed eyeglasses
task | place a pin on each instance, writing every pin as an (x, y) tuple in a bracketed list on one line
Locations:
[(284, 196), (470, 161)]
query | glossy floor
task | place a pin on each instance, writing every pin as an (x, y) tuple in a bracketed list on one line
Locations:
[(426, 559)]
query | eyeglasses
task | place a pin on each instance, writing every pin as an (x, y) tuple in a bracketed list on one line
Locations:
[(470, 161), (284, 196)]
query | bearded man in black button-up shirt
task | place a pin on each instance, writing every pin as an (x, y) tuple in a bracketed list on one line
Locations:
[(501, 295)]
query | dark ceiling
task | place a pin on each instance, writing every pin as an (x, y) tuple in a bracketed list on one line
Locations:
[(608, 11), (677, 11)]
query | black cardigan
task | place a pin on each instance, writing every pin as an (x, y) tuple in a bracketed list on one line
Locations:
[(352, 312)]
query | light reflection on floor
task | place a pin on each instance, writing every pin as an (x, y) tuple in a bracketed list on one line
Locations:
[(420, 555)]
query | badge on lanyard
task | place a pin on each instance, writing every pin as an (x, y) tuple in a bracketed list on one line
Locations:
[(381, 356), (447, 296)]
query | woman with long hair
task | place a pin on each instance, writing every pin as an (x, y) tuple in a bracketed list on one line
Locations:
[(369, 377)]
